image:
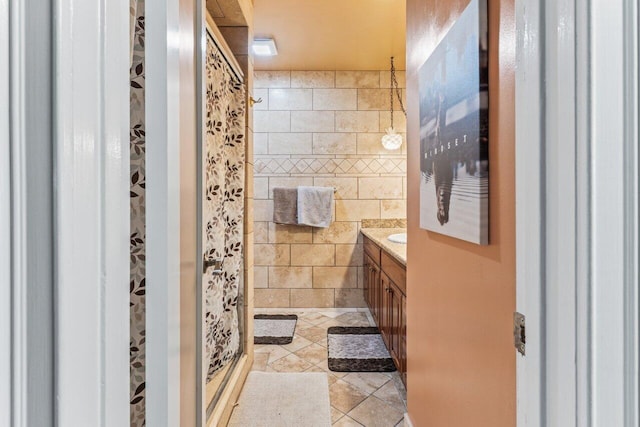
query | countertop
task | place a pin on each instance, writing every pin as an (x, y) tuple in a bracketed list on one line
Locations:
[(379, 237)]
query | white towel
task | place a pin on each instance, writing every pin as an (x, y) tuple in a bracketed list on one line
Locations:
[(314, 206)]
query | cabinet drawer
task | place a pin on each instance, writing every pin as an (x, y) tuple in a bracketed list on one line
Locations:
[(396, 271), (372, 250)]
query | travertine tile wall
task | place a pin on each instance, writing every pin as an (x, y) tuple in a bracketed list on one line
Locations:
[(322, 128)]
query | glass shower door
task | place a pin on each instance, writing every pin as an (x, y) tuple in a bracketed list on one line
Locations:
[(223, 183)]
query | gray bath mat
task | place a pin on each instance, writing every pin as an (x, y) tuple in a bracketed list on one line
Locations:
[(358, 349), (283, 400), (274, 328)]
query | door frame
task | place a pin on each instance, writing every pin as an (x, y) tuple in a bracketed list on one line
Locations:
[(577, 211), (162, 161), (64, 212), (91, 214), (91, 210), (5, 220)]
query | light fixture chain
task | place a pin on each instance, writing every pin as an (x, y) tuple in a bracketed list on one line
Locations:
[(394, 85), (391, 77)]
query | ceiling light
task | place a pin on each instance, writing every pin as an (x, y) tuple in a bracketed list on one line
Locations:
[(264, 47)]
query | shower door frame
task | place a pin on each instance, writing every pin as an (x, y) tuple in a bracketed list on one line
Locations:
[(209, 412)]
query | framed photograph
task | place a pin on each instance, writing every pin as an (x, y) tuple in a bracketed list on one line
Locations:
[(454, 132)]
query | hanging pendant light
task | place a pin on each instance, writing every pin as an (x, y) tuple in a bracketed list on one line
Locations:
[(393, 140)]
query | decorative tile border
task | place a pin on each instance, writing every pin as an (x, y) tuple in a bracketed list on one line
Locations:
[(384, 223), (314, 166)]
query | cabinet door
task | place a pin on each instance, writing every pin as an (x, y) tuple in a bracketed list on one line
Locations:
[(376, 297), (372, 286), (385, 310), (403, 341), (377, 292), (367, 281), (396, 314)]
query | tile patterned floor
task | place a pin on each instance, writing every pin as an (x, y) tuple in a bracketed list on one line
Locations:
[(375, 399)]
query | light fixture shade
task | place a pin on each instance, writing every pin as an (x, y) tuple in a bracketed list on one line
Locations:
[(391, 140), (264, 47)]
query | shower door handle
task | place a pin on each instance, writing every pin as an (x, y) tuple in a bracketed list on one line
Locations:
[(216, 263)]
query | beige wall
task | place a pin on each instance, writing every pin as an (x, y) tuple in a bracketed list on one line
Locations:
[(460, 296), (322, 128)]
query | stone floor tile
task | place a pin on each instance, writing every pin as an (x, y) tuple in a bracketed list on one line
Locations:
[(332, 322), (354, 319), (346, 421), (388, 393), (313, 353), (277, 352), (260, 361), (325, 366), (373, 412), (344, 396), (313, 334), (290, 363), (335, 415), (296, 344), (302, 324), (400, 386), (262, 348), (368, 382), (332, 314), (314, 318)]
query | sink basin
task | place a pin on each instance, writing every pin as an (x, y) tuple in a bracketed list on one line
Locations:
[(398, 238)]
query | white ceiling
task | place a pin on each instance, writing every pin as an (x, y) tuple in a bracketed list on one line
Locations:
[(332, 34)]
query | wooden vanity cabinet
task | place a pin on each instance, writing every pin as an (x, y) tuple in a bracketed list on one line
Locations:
[(385, 292)]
